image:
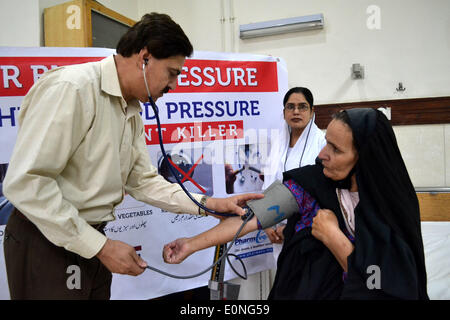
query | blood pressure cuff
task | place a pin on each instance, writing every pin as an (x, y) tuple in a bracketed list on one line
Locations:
[(278, 204)]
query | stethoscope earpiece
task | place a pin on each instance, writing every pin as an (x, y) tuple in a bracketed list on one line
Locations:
[(145, 63)]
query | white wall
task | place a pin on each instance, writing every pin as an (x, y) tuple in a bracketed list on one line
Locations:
[(411, 46), (426, 151), (128, 8), (19, 21), (200, 19)]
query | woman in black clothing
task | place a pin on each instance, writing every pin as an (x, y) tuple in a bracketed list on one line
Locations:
[(357, 234)]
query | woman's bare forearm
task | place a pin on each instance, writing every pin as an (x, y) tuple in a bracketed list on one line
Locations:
[(341, 248), (222, 233)]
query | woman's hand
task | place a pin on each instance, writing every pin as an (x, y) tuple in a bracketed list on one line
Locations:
[(325, 225), (325, 228), (275, 234), (176, 251)]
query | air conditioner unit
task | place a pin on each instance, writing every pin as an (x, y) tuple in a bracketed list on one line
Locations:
[(268, 28)]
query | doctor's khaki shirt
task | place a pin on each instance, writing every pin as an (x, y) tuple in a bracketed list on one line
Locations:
[(80, 147)]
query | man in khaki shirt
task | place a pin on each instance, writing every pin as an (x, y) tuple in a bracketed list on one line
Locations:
[(79, 149)]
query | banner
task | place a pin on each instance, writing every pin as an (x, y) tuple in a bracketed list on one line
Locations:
[(216, 128)]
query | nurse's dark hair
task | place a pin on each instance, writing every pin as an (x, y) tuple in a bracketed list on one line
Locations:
[(306, 93), (157, 32)]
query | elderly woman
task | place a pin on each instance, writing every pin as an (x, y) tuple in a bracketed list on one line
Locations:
[(357, 234)]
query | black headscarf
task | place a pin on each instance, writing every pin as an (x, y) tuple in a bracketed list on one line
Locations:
[(388, 208)]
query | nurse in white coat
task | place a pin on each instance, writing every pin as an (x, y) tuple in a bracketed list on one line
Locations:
[(298, 145)]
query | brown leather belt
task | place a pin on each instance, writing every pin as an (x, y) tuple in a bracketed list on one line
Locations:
[(98, 227)]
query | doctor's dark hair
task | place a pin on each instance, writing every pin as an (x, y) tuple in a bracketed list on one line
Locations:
[(306, 93), (157, 32)]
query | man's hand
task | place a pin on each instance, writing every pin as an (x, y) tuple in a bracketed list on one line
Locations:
[(232, 204), (120, 257)]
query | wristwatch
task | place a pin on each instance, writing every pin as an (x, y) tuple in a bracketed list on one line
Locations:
[(202, 211)]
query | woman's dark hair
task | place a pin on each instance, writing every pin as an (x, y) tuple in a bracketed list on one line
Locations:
[(306, 93), (343, 117), (157, 32)]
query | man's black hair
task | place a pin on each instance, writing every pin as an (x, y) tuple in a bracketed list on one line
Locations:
[(157, 32)]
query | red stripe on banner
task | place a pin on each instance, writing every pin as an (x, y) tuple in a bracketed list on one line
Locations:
[(227, 76), (195, 131), (18, 74)]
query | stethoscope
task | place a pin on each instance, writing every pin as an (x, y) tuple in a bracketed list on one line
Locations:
[(245, 218), (161, 145)]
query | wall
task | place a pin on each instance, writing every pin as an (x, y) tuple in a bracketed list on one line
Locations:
[(412, 46), (19, 23), (409, 47), (127, 8), (200, 19)]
